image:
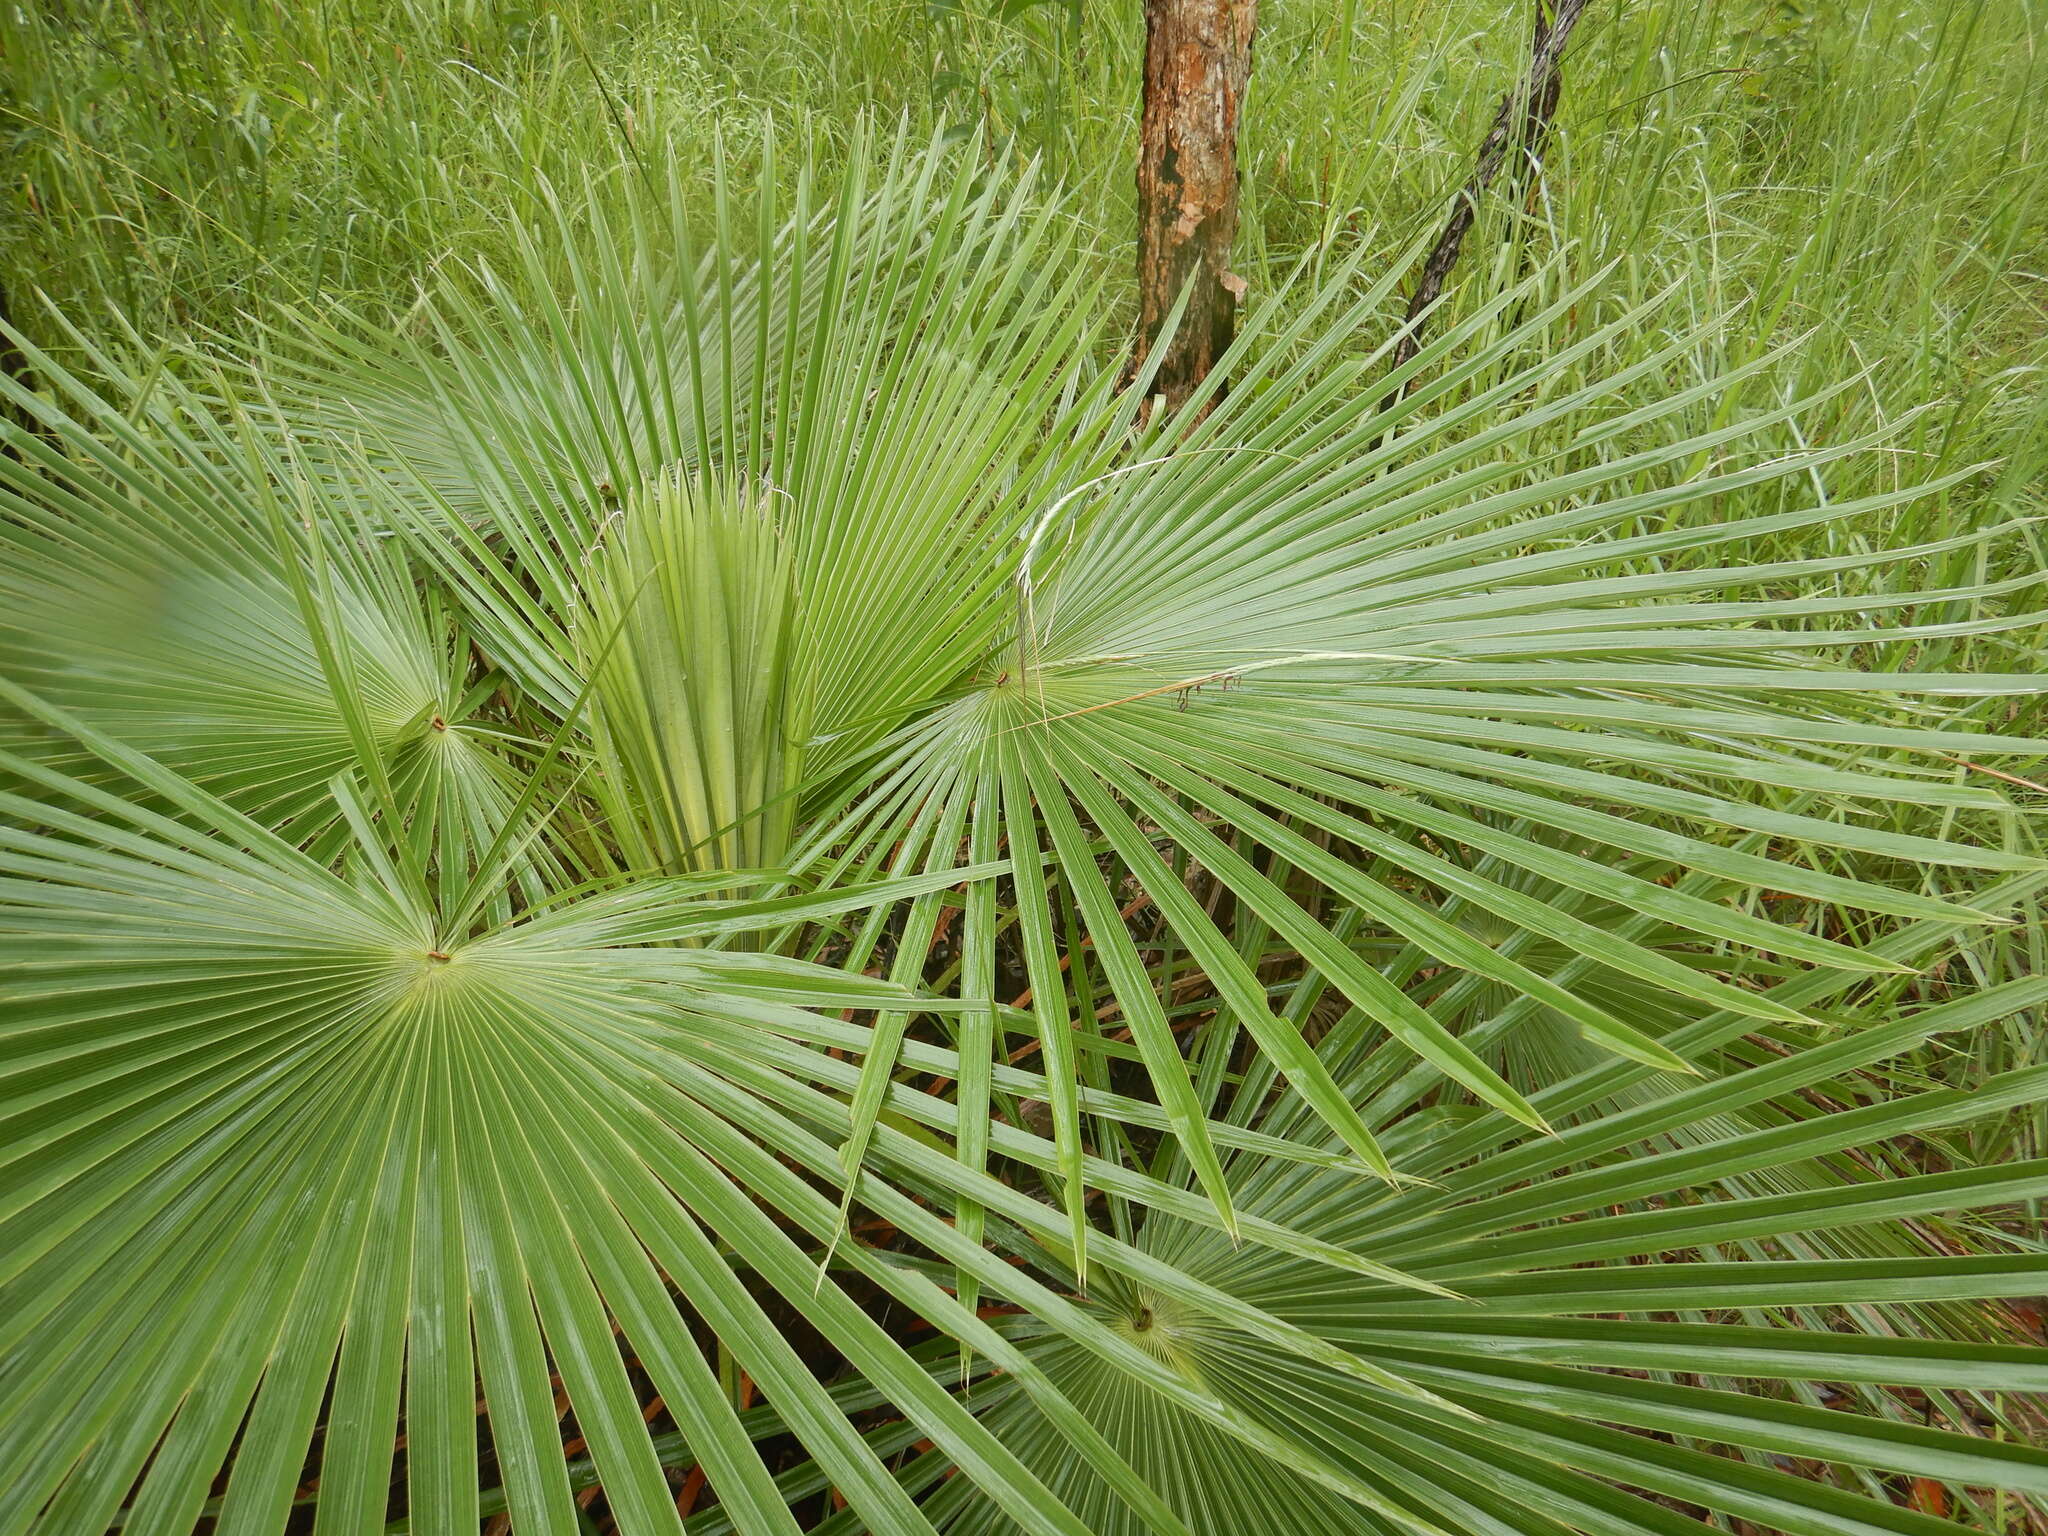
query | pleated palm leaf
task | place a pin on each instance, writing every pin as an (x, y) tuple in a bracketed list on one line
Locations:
[(1650, 1300), (460, 790)]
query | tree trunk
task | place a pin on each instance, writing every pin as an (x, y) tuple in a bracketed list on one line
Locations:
[(1198, 59)]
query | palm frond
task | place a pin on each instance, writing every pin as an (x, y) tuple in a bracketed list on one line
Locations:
[(525, 838)]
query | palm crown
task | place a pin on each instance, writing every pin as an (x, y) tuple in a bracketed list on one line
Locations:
[(736, 791)]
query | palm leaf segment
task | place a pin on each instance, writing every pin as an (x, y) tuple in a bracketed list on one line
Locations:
[(372, 1087)]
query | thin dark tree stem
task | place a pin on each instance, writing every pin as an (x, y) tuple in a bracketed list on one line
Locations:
[(16, 368), (1521, 127)]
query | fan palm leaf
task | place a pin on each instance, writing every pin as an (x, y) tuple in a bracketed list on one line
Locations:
[(1597, 1287)]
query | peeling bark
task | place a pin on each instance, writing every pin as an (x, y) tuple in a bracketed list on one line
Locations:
[(1198, 60)]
